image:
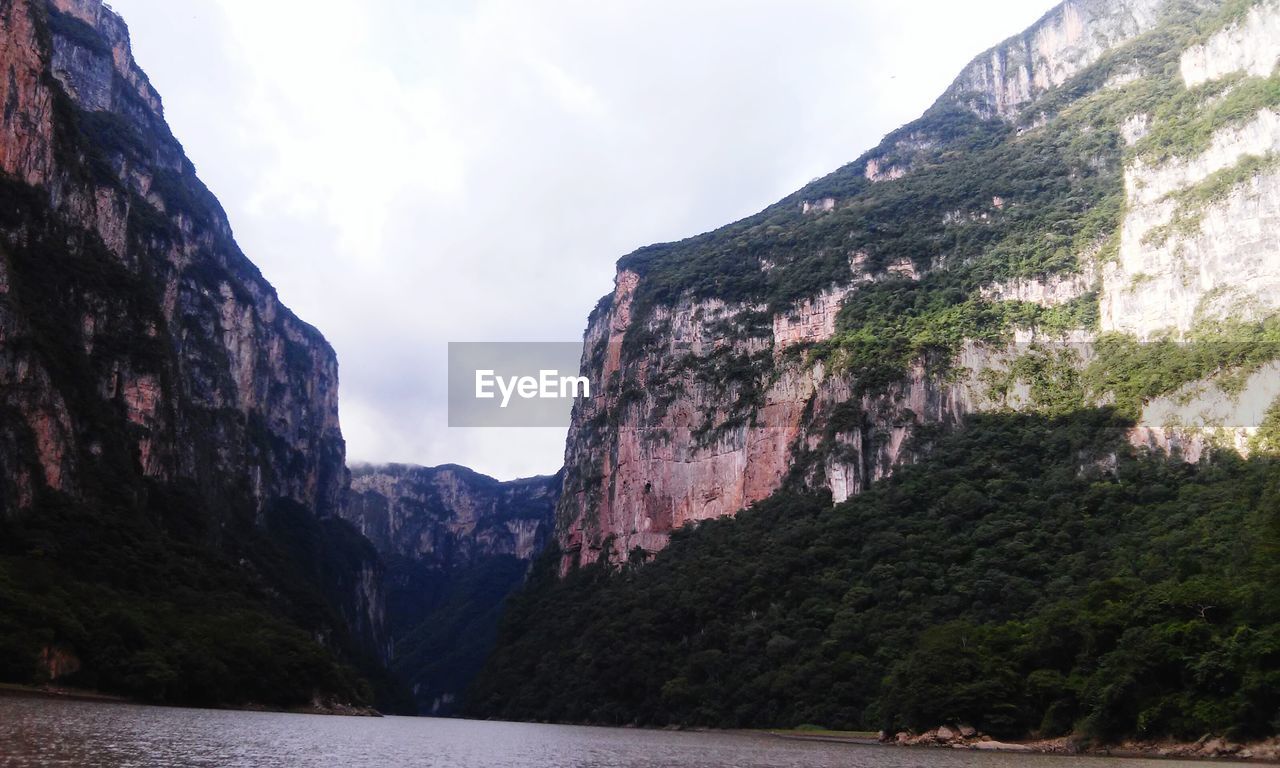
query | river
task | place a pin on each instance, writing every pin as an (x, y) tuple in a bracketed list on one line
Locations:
[(55, 732)]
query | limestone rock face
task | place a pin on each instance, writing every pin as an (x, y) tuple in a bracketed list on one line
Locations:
[(712, 401), (1050, 291), (1069, 38), (26, 151), (688, 443), (1164, 272), (1251, 45)]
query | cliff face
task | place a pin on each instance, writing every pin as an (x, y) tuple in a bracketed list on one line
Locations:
[(449, 517), (726, 419), (1102, 181), (456, 543), (1068, 39), (145, 364), (84, 130)]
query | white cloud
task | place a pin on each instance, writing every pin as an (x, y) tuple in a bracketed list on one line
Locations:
[(412, 173)]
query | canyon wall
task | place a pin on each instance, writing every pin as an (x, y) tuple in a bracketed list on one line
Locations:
[(449, 516), (456, 543), (1065, 41), (146, 366), (85, 134), (717, 395)]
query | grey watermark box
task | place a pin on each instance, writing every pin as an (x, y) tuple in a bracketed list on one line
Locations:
[(515, 384)]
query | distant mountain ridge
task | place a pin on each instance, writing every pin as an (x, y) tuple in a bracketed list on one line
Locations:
[(456, 543), (450, 515)]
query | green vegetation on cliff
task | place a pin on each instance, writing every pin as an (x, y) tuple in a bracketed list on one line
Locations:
[(129, 601), (443, 622), (1032, 575), (173, 592), (980, 201)]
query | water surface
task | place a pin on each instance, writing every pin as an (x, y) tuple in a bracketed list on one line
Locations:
[(53, 732)]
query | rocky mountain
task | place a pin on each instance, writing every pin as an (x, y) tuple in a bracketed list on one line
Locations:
[(171, 463), (1104, 180), (981, 428), (456, 543), (450, 516), (177, 522)]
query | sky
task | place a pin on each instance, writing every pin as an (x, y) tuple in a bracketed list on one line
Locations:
[(409, 173)]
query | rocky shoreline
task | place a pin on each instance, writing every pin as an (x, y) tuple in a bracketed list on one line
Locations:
[(1206, 748), (58, 692), (317, 706)]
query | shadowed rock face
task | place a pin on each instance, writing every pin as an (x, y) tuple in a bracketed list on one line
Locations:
[(449, 517), (712, 399), (144, 360), (456, 544), (179, 339)]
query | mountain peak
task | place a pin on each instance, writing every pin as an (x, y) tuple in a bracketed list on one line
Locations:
[(1070, 37)]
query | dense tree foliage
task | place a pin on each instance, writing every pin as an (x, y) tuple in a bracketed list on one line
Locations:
[(1033, 575), (443, 622), (147, 609)]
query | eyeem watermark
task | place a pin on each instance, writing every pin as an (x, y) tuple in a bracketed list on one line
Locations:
[(1229, 388), (547, 385), (515, 384)]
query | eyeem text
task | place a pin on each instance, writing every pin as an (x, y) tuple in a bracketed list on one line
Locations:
[(548, 384)]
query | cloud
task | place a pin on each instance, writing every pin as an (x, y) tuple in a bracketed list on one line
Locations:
[(409, 174)]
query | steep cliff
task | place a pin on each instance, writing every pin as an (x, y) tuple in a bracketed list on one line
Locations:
[(1085, 217), (456, 543), (85, 130), (1028, 345), (152, 384)]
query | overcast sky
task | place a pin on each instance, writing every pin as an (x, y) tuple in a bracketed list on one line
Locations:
[(409, 173)]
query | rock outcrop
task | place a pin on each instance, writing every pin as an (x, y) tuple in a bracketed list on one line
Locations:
[(1207, 747), (1068, 39), (1250, 45)]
